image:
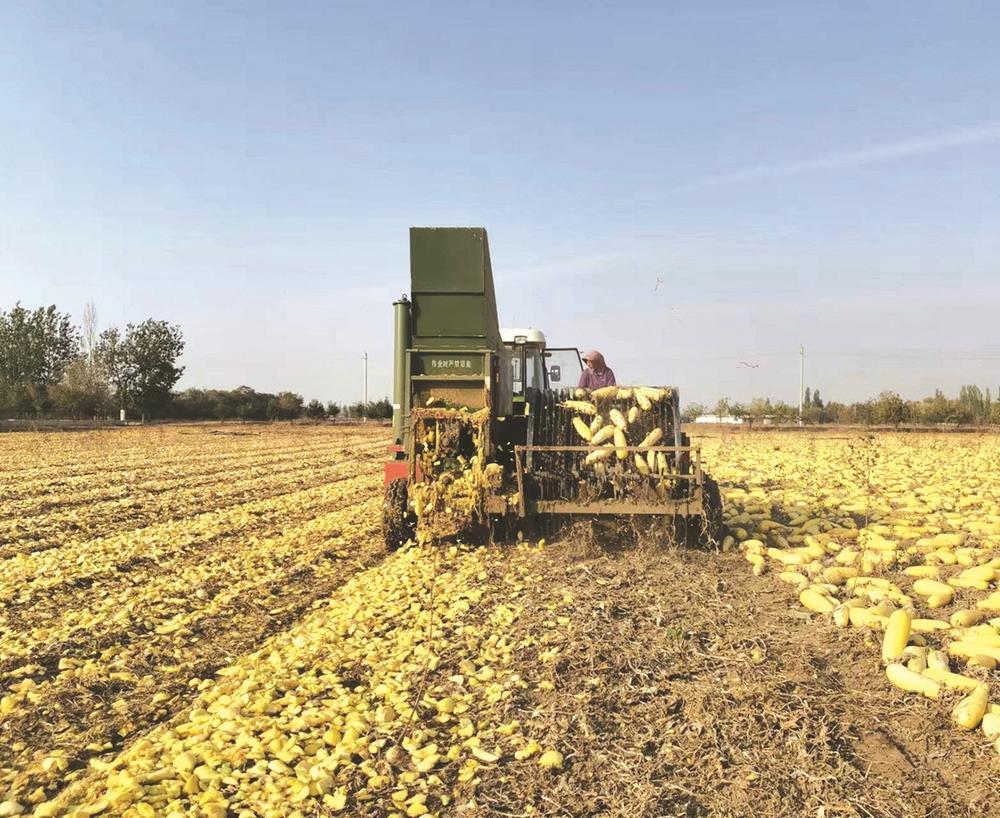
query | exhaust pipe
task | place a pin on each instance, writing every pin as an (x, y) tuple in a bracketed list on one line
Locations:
[(401, 341)]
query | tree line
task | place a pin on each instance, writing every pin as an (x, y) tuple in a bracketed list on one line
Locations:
[(973, 406), (50, 367), (243, 403)]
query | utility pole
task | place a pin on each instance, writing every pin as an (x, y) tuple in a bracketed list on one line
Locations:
[(802, 379), (364, 413)]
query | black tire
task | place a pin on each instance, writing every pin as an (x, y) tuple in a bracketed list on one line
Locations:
[(700, 531), (714, 526), (398, 523)]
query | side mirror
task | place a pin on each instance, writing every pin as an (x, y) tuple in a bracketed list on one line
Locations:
[(555, 374)]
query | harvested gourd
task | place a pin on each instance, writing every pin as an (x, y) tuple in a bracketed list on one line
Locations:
[(915, 557)]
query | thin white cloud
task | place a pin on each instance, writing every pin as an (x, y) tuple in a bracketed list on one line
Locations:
[(848, 159)]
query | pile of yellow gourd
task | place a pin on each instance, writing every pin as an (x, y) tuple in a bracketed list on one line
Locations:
[(921, 565), (453, 486), (348, 707), (101, 630)]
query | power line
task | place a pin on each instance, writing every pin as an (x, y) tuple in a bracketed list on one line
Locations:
[(872, 354)]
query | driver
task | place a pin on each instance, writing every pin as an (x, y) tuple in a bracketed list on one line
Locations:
[(597, 373)]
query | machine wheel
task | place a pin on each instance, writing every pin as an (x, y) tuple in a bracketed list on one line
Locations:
[(398, 522), (698, 531), (714, 527)]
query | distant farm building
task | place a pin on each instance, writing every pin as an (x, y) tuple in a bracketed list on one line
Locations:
[(717, 419)]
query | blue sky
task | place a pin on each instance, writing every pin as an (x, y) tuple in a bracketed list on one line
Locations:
[(683, 186)]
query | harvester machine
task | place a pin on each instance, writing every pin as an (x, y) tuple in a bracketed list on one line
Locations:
[(489, 428)]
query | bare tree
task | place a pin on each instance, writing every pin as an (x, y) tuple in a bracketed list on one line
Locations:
[(89, 334)]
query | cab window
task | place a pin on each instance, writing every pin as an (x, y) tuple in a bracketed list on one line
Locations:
[(533, 363), (563, 367)]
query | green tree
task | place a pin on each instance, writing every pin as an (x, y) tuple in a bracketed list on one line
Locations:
[(817, 401), (314, 410), (837, 412), (285, 406), (113, 362), (142, 364), (249, 404), (784, 413), (153, 348), (865, 413), (194, 404), (973, 403), (812, 414), (890, 408), (333, 409), (937, 409), (722, 408), (758, 410), (808, 398), (693, 411), (379, 409), (36, 347), (225, 404), (82, 392)]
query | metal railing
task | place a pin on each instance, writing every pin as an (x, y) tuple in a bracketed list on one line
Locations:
[(689, 503)]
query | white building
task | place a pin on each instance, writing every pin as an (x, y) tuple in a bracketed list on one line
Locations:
[(717, 419)]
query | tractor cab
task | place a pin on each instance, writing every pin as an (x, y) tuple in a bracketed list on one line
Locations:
[(536, 368)]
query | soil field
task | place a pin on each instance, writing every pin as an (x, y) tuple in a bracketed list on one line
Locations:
[(197, 621)]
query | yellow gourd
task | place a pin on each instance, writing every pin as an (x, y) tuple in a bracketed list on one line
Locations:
[(897, 634), (912, 682), (816, 600), (969, 712)]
